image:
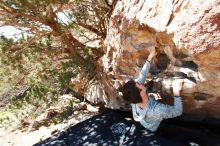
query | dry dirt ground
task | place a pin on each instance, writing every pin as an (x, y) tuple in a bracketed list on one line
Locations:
[(25, 138)]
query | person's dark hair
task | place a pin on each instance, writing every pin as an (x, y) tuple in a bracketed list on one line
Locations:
[(131, 93)]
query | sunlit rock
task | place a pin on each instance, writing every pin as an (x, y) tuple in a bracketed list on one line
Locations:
[(186, 35)]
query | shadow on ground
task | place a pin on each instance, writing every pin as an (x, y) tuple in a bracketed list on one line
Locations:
[(113, 128)]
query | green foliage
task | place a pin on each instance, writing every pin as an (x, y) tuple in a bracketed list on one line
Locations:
[(65, 114), (42, 70), (76, 23)]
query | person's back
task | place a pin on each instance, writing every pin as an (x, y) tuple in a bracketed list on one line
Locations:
[(147, 110), (154, 112)]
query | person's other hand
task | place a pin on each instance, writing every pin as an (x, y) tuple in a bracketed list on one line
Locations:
[(153, 53), (177, 85)]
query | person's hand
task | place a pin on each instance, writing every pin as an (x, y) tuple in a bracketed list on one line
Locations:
[(177, 85), (153, 53)]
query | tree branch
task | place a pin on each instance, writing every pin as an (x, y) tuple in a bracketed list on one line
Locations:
[(89, 27), (106, 2), (60, 8), (29, 42), (15, 13)]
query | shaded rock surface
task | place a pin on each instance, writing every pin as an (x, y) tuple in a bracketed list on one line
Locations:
[(186, 35)]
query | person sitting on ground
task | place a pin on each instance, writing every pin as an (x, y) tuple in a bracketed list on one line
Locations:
[(145, 109)]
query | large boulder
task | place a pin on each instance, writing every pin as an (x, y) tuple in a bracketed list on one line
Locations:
[(186, 35)]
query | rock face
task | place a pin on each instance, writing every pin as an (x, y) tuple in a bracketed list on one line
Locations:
[(186, 35)]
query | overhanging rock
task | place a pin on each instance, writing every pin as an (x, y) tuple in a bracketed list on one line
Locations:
[(186, 35)]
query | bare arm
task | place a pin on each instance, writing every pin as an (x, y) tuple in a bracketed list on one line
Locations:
[(143, 73), (146, 68)]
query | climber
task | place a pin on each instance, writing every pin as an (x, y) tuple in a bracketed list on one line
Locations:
[(146, 109)]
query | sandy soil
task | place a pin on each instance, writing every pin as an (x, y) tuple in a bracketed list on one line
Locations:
[(24, 138)]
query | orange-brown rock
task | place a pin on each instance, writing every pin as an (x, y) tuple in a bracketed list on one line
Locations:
[(186, 35)]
